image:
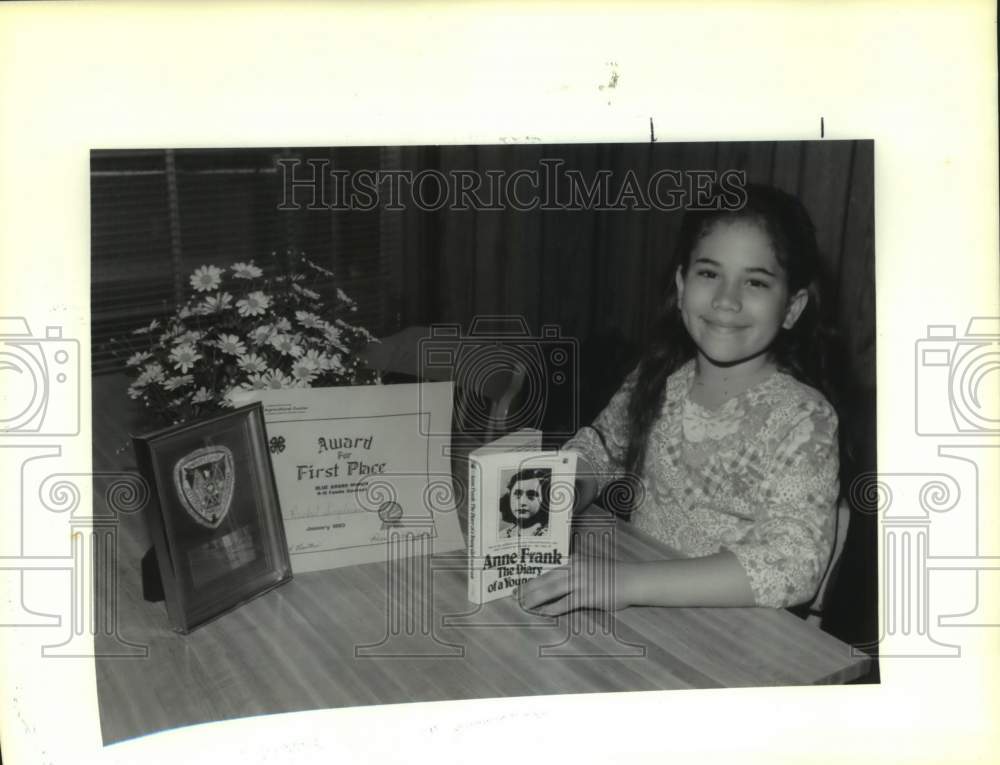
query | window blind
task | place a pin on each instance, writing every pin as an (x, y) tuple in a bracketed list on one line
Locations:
[(157, 215)]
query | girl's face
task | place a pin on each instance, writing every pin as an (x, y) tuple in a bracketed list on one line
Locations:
[(734, 298)]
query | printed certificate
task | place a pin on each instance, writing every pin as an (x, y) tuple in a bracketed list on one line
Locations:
[(351, 463)]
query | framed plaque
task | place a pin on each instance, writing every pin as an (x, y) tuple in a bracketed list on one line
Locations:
[(213, 515)]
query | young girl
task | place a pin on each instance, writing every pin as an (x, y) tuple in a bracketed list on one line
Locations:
[(723, 422)]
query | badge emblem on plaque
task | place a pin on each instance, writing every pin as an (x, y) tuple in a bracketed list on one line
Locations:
[(204, 481)]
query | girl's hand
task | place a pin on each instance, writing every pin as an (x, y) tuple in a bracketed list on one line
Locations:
[(588, 582)]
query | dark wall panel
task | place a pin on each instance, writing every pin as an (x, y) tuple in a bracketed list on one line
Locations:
[(600, 274)]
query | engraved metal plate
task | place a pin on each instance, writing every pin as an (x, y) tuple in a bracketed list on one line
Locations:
[(204, 481)]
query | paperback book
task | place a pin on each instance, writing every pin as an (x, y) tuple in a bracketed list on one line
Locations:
[(520, 513)]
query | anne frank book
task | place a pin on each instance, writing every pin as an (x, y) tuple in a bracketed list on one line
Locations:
[(520, 513)]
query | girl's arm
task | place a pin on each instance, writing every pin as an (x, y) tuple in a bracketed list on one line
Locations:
[(586, 484), (714, 580), (601, 447), (787, 549)]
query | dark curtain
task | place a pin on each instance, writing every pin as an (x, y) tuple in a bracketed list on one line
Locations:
[(598, 275)]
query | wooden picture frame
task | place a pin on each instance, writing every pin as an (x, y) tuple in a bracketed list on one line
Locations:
[(213, 516)]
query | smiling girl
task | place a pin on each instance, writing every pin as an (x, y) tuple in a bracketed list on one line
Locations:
[(724, 424)]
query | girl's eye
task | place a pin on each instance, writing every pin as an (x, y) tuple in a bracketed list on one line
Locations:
[(758, 283), (706, 273)]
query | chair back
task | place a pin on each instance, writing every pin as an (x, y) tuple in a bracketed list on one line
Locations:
[(487, 393), (843, 521), (488, 386)]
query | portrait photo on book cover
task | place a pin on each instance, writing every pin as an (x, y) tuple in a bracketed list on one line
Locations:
[(524, 506), (603, 295)]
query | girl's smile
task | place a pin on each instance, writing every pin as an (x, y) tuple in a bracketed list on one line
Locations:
[(734, 298)]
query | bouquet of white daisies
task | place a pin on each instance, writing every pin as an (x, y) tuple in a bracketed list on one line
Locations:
[(242, 330)]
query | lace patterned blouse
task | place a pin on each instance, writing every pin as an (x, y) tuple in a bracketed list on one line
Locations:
[(757, 477)]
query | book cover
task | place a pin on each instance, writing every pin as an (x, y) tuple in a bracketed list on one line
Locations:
[(520, 513)]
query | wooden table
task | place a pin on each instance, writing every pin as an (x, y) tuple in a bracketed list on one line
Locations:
[(380, 634)]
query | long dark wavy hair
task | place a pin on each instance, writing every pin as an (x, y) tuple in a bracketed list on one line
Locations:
[(806, 351)]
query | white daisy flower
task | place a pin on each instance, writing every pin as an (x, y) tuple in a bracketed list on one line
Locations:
[(314, 356), (310, 361), (172, 331), (275, 379), (173, 383), (231, 344), (317, 267), (137, 358), (135, 390), (184, 356), (251, 362), (246, 271), (152, 373), (309, 320), (202, 395), (254, 382), (255, 304), (191, 337), (154, 324), (283, 324), (220, 301), (287, 344), (332, 335), (306, 292), (262, 334), (305, 368), (206, 278)]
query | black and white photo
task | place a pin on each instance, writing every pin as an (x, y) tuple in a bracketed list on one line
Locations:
[(716, 300)]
